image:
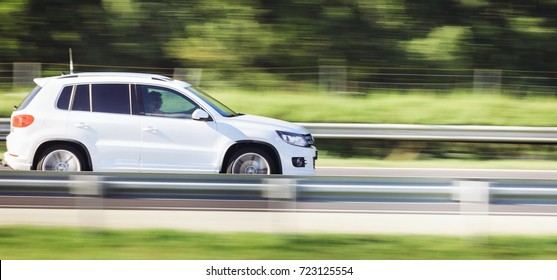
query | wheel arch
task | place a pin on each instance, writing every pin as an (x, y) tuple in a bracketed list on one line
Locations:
[(74, 144), (270, 149)]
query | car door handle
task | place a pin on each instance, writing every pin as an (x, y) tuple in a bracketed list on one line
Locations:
[(150, 129), (82, 125)]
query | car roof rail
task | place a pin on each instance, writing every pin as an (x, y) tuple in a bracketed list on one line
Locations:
[(161, 78), (127, 74)]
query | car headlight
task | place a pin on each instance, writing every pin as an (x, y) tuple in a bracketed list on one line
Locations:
[(302, 140)]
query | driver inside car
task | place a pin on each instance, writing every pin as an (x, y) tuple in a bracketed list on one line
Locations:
[(153, 103)]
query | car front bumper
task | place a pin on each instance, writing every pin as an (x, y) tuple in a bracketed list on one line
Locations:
[(300, 161)]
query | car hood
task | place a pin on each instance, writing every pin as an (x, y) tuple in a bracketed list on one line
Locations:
[(258, 122)]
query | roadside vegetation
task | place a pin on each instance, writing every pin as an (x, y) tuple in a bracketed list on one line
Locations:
[(38, 243), (9, 99), (415, 107)]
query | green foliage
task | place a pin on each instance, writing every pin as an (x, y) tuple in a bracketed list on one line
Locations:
[(253, 33), (442, 45), (86, 244)]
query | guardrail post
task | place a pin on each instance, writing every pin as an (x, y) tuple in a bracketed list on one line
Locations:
[(89, 191), (474, 206), (281, 195)]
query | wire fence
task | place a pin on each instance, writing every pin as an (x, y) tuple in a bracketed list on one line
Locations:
[(331, 79)]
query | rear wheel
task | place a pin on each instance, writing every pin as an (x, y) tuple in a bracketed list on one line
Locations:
[(251, 161), (61, 158)]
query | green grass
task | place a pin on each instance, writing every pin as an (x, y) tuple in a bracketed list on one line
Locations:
[(456, 108), (69, 243), (9, 99), (2, 149), (517, 164)]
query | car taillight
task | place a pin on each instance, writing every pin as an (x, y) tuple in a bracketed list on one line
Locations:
[(22, 120)]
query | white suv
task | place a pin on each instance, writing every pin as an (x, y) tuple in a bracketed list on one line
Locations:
[(128, 122)]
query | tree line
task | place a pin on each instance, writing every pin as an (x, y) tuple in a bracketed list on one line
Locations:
[(267, 35)]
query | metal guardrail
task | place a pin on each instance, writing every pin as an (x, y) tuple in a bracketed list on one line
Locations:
[(4, 128), (460, 133), (301, 189), (280, 204)]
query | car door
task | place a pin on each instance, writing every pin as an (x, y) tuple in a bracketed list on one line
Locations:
[(171, 141), (101, 119)]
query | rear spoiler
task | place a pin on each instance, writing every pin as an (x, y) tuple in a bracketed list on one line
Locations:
[(41, 81)]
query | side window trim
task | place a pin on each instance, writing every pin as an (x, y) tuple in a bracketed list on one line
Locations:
[(91, 98), (72, 96), (130, 98), (137, 101)]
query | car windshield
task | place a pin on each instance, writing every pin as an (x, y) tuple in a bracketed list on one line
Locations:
[(214, 103)]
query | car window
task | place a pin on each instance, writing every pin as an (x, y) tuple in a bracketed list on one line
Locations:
[(111, 98), (82, 101), (164, 102), (28, 98), (64, 98)]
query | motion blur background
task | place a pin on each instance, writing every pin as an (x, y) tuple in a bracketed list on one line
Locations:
[(459, 62), (464, 62), (434, 44)]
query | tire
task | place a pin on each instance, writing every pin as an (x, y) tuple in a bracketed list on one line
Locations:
[(62, 158), (251, 161)]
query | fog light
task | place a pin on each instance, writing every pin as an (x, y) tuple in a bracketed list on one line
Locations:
[(298, 162)]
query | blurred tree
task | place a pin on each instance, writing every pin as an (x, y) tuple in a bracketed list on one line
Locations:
[(220, 34), (269, 35), (12, 23)]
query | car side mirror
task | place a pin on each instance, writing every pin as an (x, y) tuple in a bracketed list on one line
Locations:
[(200, 115)]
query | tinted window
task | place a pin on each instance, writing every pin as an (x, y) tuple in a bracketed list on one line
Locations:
[(81, 101), (64, 99), (163, 102), (111, 98)]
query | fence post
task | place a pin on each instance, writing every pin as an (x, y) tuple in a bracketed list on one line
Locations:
[(332, 79), (487, 80), (24, 73), (190, 75)]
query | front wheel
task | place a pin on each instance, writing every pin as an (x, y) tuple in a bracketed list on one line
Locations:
[(251, 161), (61, 158)]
